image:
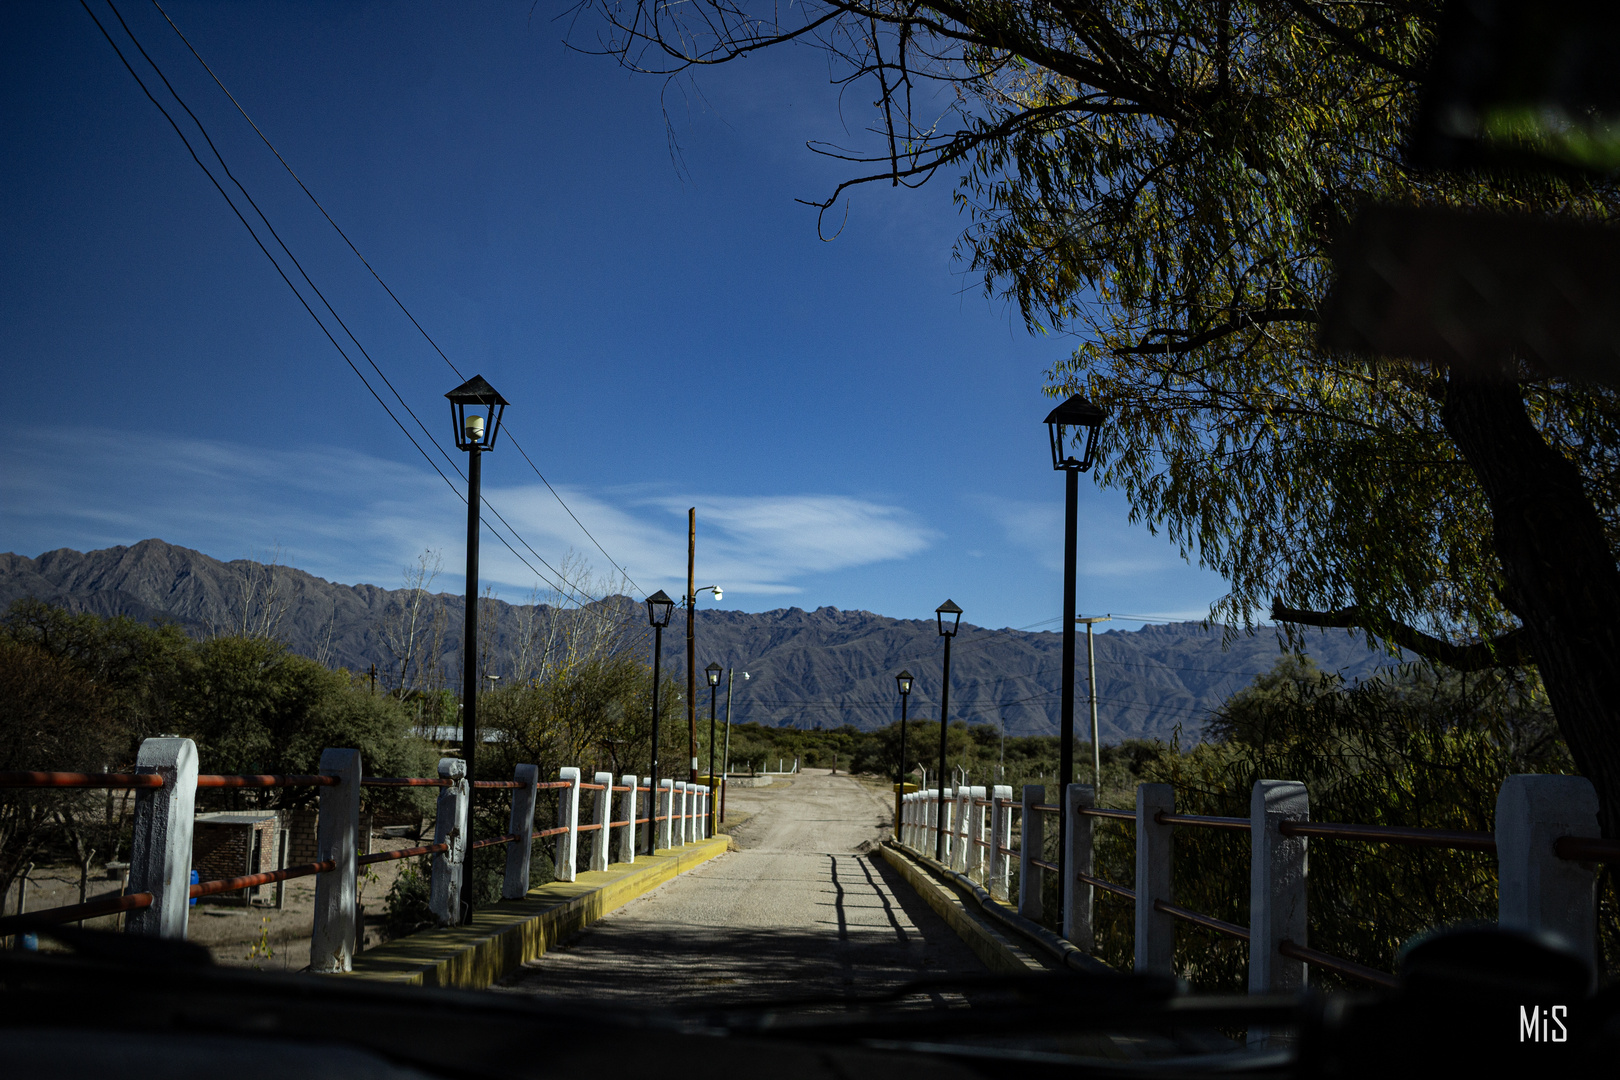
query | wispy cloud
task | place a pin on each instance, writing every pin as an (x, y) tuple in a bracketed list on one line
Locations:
[(1109, 547), (352, 517)]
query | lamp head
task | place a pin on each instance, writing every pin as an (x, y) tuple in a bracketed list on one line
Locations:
[(1075, 419), (713, 672), (476, 408), (659, 608), (903, 680), (948, 608)]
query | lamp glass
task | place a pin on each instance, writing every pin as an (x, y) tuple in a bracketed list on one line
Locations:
[(659, 608), (948, 609), (903, 680), (713, 671)]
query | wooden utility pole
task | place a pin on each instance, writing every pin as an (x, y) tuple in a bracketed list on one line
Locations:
[(691, 652)]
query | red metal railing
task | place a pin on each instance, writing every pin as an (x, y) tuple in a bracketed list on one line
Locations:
[(135, 901), (80, 780)]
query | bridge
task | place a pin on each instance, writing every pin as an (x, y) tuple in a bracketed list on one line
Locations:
[(832, 887)]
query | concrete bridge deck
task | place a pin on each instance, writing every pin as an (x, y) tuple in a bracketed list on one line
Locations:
[(805, 908)]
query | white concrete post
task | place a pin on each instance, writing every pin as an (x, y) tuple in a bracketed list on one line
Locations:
[(450, 828), (961, 833), (678, 826), (1030, 846), (930, 811), (1155, 930), (973, 841), (913, 802), (666, 810), (519, 851), (1001, 836), (337, 839), (602, 815), (947, 824), (1277, 869), (160, 850), (567, 864), (627, 807), (1079, 897), (1537, 890)]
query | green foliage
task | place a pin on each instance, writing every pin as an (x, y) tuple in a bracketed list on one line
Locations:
[(407, 907)]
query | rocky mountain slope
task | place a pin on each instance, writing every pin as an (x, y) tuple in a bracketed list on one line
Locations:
[(824, 667)]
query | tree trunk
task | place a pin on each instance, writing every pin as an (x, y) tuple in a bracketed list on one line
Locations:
[(1561, 578)]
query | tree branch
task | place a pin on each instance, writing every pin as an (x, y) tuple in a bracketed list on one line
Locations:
[(1230, 326), (1511, 649)]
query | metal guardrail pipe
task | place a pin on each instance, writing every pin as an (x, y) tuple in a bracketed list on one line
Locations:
[(253, 881), (1112, 815), (79, 780), (1236, 824), (109, 905), (217, 780), (1338, 964), (1209, 922), (1457, 839), (1107, 886)]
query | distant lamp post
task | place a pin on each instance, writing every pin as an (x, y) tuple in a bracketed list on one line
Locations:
[(946, 632), (659, 608), (713, 672), (476, 409), (903, 682), (1071, 422)]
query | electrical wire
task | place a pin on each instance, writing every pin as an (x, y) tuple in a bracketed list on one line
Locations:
[(391, 294), (564, 586)]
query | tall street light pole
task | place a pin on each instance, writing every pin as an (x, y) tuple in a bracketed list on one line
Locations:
[(903, 681), (1075, 419), (946, 632), (659, 609), (725, 758), (691, 651), (1091, 687), (476, 410), (713, 672)]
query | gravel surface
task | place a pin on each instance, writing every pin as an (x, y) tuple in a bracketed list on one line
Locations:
[(803, 908)]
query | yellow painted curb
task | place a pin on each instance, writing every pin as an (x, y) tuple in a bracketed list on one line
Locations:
[(989, 944), (499, 939)]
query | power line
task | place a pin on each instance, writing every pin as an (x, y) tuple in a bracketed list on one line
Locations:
[(565, 586), (391, 294)]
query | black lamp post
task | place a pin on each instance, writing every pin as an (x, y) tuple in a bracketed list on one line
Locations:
[(713, 672), (476, 409), (1071, 421), (659, 608), (946, 632), (903, 681)]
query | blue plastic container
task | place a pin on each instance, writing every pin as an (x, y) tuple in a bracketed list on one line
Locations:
[(195, 879)]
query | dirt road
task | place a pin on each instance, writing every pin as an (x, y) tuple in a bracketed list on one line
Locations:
[(804, 908)]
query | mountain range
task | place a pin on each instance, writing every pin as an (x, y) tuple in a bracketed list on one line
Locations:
[(825, 667)]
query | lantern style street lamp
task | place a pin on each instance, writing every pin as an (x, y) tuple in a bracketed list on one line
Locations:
[(1075, 421), (946, 632), (903, 682), (659, 608), (713, 672), (476, 410)]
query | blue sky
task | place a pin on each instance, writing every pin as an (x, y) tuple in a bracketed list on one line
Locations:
[(856, 423)]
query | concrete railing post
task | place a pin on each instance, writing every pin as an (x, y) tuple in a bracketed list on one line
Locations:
[(1031, 844), (449, 828), (1155, 930), (160, 849), (1277, 874), (666, 811), (627, 807), (680, 813), (567, 864), (1000, 875), (1079, 898), (947, 824), (602, 816), (1537, 890), (337, 839), (973, 841), (519, 851)]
